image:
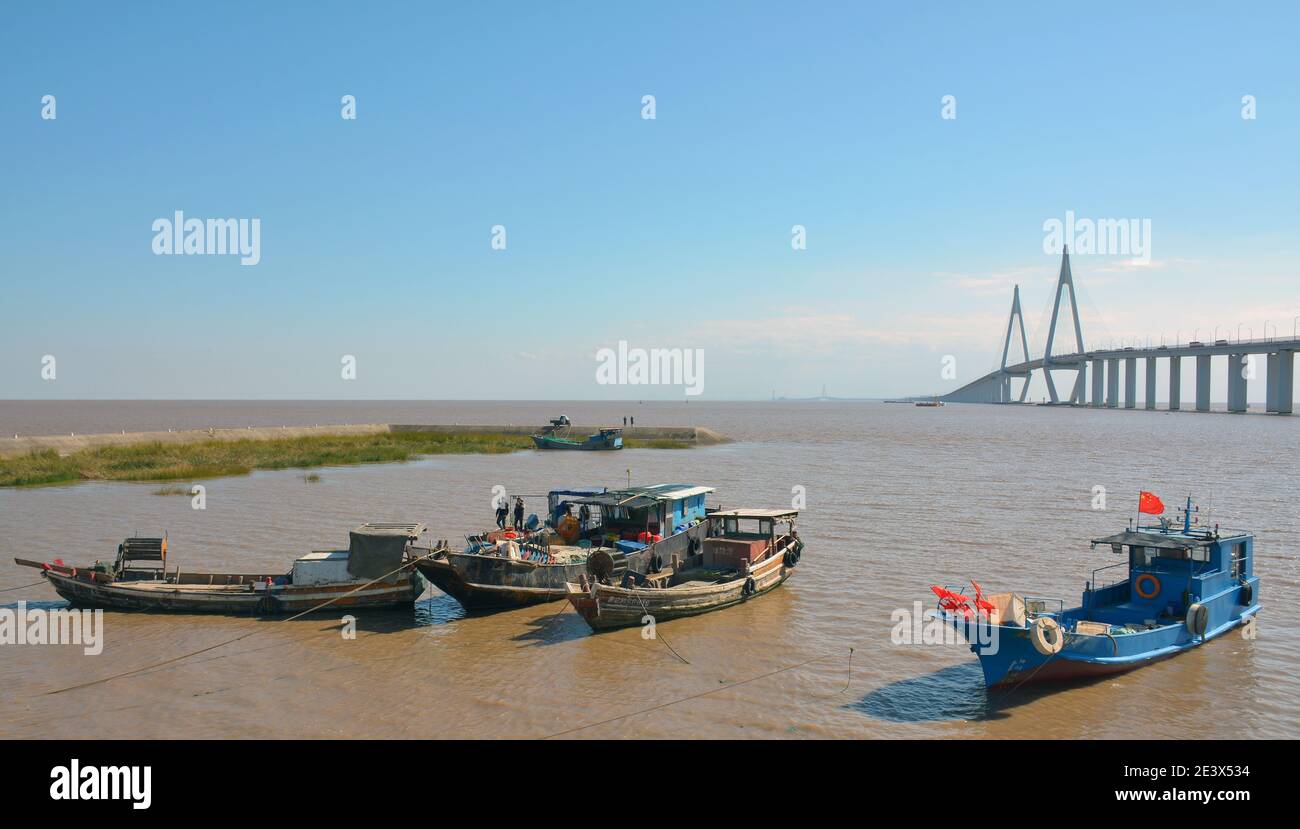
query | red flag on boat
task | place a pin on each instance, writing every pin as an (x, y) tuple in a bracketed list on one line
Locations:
[(1150, 504)]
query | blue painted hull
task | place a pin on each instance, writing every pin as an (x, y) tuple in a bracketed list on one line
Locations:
[(1009, 659)]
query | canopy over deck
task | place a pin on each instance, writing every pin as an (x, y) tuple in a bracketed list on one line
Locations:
[(770, 514), (376, 549), (1161, 541), (643, 496)]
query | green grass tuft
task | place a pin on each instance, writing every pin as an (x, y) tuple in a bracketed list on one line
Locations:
[(218, 459)]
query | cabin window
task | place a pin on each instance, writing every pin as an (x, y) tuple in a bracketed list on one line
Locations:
[(1141, 556), (1201, 554), (1238, 560), (748, 527)]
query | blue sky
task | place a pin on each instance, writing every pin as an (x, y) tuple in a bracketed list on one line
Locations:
[(672, 232)]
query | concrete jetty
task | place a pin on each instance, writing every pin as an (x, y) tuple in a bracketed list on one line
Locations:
[(68, 444)]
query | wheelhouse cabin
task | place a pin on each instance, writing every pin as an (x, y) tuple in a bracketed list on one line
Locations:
[(1168, 572)]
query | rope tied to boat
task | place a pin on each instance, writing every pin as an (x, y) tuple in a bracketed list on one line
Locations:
[(22, 586), (647, 612)]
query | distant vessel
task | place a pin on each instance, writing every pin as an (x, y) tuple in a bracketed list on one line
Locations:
[(930, 404), (374, 572), (556, 436), (1184, 587)]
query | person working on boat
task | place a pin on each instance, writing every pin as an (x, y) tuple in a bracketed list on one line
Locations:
[(519, 514), (584, 517), (503, 510)]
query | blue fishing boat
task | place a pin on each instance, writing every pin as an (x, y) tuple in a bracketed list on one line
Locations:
[(1185, 585)]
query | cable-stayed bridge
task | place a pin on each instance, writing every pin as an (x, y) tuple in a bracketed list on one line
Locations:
[(1104, 367)]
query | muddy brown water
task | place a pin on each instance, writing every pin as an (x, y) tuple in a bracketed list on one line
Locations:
[(897, 498)]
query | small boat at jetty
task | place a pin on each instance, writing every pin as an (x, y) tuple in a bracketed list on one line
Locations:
[(745, 553), (374, 572), (628, 530), (557, 436), (1184, 587)]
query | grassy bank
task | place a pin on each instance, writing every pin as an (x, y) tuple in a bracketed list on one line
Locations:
[(214, 459)]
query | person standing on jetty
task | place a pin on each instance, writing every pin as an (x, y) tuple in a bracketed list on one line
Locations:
[(519, 514), (503, 510)]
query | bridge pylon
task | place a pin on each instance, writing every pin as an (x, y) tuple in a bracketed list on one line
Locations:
[(1016, 316), (1064, 281)]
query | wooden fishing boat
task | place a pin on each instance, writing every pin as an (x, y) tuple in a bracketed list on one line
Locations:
[(375, 572), (1183, 587), (744, 554), (504, 569)]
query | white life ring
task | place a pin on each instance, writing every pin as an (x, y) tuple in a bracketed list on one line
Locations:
[(1198, 619), (1046, 636)]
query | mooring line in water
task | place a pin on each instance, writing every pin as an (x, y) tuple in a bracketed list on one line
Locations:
[(22, 586), (687, 699), (657, 636), (174, 659)]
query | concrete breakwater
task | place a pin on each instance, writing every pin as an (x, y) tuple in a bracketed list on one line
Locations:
[(11, 446)]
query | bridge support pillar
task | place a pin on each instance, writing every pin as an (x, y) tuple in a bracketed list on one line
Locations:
[(1151, 383), (1285, 381), (1281, 381), (1175, 383), (1237, 368), (1130, 382), (1112, 383), (1098, 381), (1202, 382), (1080, 397), (1004, 389)]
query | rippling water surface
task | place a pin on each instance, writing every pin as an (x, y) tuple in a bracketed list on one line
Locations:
[(897, 498)]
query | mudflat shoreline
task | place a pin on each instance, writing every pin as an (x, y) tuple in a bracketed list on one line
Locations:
[(215, 453), (11, 446)]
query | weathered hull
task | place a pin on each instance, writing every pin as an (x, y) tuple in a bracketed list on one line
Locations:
[(401, 591), (496, 583), (605, 607)]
